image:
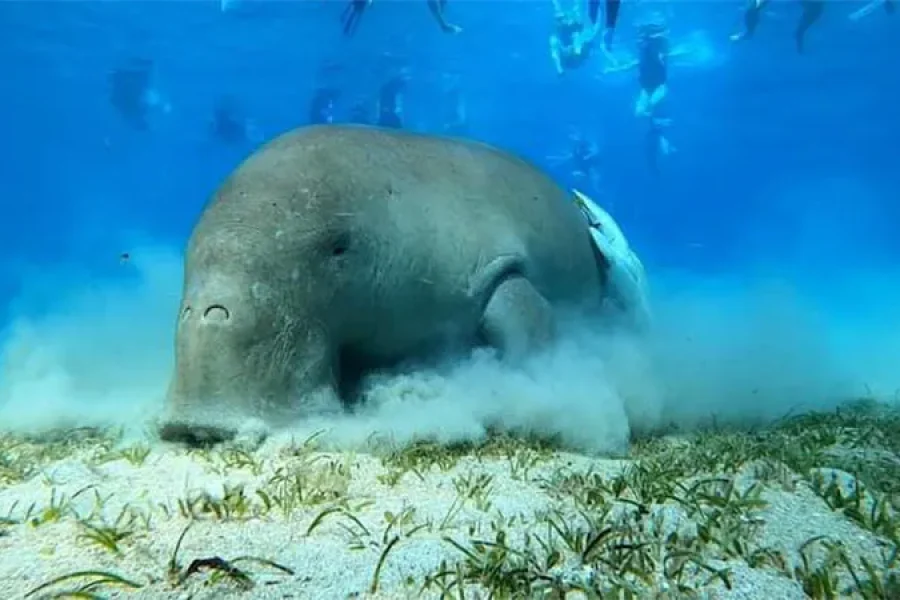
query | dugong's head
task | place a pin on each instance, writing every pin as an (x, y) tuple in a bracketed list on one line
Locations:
[(262, 292)]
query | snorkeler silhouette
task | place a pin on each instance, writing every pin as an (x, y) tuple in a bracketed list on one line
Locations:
[(657, 145), (583, 160), (360, 112), (129, 89), (455, 120), (227, 123), (751, 20), (811, 13), (329, 79), (352, 14), (321, 107), (354, 10), (611, 16), (390, 100), (572, 39), (653, 67)]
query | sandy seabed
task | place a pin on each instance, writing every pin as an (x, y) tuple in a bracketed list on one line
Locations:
[(766, 514)]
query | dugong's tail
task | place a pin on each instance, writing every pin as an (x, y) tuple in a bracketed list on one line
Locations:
[(627, 279)]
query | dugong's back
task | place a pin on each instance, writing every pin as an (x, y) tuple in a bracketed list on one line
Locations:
[(443, 206)]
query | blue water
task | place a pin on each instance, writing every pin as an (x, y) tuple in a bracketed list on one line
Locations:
[(786, 164)]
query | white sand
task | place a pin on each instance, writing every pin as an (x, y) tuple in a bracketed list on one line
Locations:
[(323, 563)]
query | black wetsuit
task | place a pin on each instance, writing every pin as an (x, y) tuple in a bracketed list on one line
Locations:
[(437, 8), (652, 64), (812, 12), (751, 16), (612, 12), (352, 15)]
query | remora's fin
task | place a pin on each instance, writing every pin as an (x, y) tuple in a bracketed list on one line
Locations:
[(628, 287), (599, 218)]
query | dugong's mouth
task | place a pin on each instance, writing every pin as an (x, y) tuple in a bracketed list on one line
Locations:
[(195, 435)]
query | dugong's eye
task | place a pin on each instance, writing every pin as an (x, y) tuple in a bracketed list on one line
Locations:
[(340, 244)]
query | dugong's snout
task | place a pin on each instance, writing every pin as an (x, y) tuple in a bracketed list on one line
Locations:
[(194, 435), (236, 362), (207, 397), (188, 419)]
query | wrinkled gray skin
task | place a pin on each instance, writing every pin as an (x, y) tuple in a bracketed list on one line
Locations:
[(338, 249)]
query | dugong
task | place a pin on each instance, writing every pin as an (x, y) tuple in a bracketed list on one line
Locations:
[(334, 250)]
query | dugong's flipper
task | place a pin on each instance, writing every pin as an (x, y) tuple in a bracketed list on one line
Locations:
[(516, 318), (627, 279)]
